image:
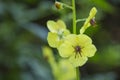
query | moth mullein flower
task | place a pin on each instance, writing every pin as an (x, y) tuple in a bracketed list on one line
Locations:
[(90, 20), (57, 33), (49, 57), (77, 48), (48, 54), (67, 71), (62, 70)]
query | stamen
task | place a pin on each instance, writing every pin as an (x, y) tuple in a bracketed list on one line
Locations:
[(80, 54), (60, 34), (93, 22), (77, 51)]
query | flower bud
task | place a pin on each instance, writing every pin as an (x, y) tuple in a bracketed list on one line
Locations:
[(58, 5)]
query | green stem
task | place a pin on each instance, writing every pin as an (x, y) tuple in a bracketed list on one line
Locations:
[(77, 73), (78, 20), (74, 16), (74, 32), (67, 6)]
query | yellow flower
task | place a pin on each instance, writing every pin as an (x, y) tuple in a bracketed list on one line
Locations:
[(48, 55), (77, 48), (57, 33), (67, 71), (90, 20), (62, 70)]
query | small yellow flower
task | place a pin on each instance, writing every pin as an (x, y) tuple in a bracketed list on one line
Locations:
[(48, 55), (57, 33), (62, 70), (90, 20), (67, 71), (77, 48)]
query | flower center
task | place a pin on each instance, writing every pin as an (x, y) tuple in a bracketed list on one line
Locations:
[(77, 51), (60, 34)]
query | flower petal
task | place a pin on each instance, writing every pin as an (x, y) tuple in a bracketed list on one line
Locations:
[(84, 40), (78, 61), (52, 26), (61, 24), (66, 49), (47, 52), (80, 39), (82, 30), (66, 32), (73, 39), (67, 70), (53, 40), (92, 14), (89, 50)]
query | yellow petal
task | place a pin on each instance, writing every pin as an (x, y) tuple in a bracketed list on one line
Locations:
[(48, 55), (47, 52), (89, 50), (66, 32), (73, 39), (52, 26), (80, 39), (92, 14), (84, 40), (61, 24), (53, 40), (66, 66), (78, 61), (66, 49), (82, 30), (67, 70)]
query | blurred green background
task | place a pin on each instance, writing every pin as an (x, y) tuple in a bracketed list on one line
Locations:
[(23, 33)]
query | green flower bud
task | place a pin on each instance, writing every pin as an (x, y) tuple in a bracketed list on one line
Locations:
[(58, 5)]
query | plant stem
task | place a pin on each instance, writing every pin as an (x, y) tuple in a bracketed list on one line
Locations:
[(77, 73), (74, 32), (78, 20), (67, 6), (74, 16)]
